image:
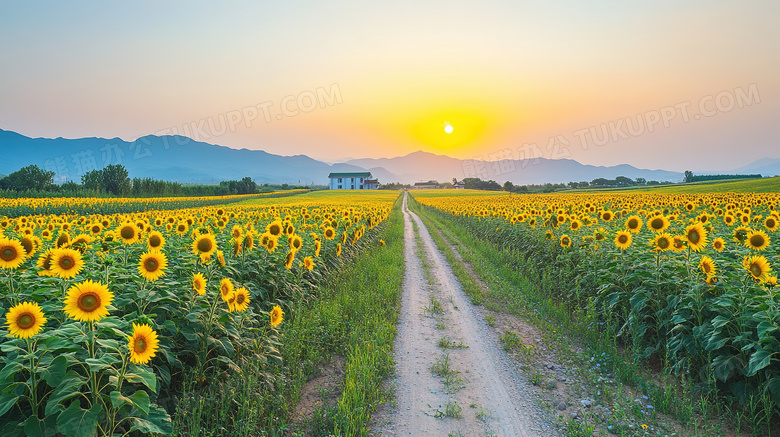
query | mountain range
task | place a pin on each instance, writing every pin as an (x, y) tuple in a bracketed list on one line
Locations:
[(182, 159)]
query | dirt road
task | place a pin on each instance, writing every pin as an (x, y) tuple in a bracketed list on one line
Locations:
[(453, 378)]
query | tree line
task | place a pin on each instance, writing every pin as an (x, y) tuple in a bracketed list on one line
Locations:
[(114, 180)]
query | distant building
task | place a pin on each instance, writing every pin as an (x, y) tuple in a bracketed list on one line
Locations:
[(353, 181), (459, 185), (430, 185)]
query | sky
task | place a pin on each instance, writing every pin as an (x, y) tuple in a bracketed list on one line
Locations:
[(674, 85)]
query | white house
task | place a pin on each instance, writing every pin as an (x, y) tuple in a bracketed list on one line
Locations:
[(353, 181)]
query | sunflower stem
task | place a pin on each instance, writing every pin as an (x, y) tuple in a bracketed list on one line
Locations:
[(33, 383)]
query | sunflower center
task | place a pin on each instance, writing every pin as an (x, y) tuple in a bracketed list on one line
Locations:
[(140, 345), (26, 321), (657, 223), (127, 232), (66, 263), (204, 245), (9, 254), (224, 290), (706, 268), (154, 241), (770, 223), (755, 270), (693, 236), (757, 241), (89, 302), (240, 299), (622, 239), (151, 265), (632, 224), (663, 243)]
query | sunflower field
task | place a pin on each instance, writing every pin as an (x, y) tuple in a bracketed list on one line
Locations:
[(106, 315), (685, 280)]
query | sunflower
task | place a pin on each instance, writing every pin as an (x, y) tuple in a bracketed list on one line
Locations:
[(240, 301), (565, 241), (226, 289), (548, 235), (152, 265), (707, 266), (128, 233), (623, 240), (63, 240), (81, 243), (12, 253), (771, 224), (66, 263), (719, 244), (204, 245), (288, 260), (199, 283), (31, 244), (678, 243), (88, 301), (277, 316), (25, 320), (607, 216), (308, 262), (249, 241), (44, 263), (662, 242), (338, 249), (757, 266), (296, 242), (575, 225), (274, 229), (658, 223), (143, 344), (634, 224), (740, 234), (318, 246), (696, 236), (728, 219), (271, 244), (757, 240), (155, 241)]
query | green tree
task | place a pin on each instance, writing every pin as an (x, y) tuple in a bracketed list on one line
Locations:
[(31, 177), (93, 180), (116, 180), (509, 186), (688, 176)]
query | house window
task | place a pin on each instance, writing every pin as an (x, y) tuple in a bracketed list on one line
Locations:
[(361, 179), (339, 186), (339, 181), (361, 186)]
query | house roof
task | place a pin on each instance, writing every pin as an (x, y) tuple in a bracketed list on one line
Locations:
[(363, 174), (419, 184)]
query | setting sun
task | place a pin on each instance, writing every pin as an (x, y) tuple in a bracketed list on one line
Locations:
[(448, 128)]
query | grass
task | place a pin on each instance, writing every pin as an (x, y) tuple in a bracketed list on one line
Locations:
[(765, 185), (347, 318)]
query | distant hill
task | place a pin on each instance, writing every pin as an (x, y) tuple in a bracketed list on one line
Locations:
[(173, 158), (423, 166), (177, 158), (766, 167)]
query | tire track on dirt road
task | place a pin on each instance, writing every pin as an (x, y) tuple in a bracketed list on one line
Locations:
[(483, 389)]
